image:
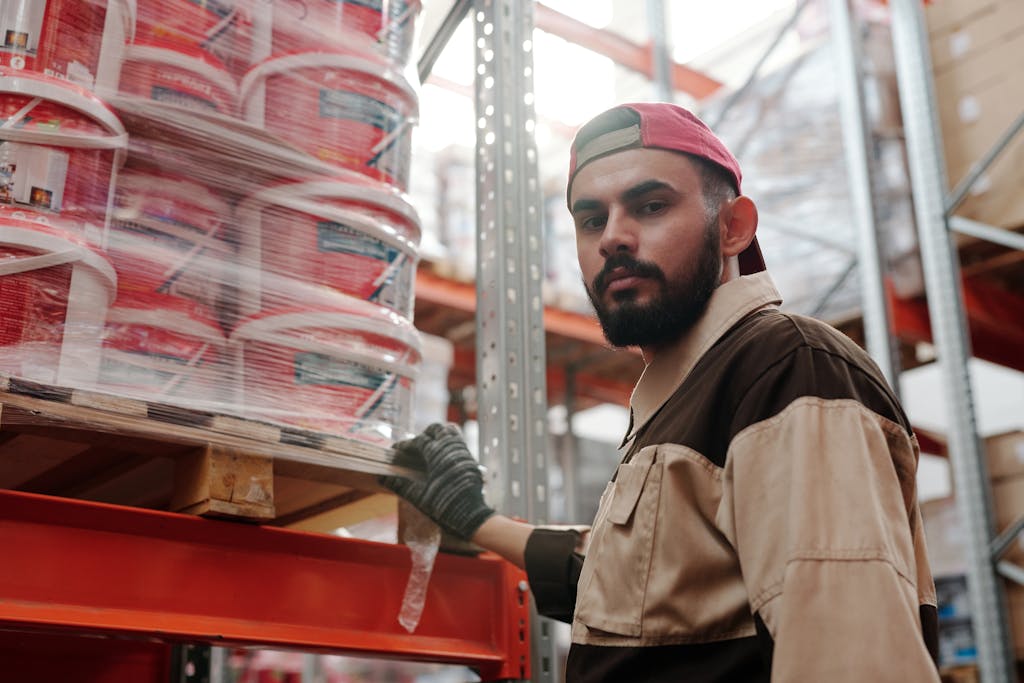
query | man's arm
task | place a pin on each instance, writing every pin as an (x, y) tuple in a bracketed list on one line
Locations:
[(506, 537), (818, 502)]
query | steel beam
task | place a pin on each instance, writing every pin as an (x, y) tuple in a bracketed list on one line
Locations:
[(856, 141), (623, 52), (440, 39), (103, 569), (989, 233), (946, 309)]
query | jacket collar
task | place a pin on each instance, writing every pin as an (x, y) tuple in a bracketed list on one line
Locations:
[(665, 372)]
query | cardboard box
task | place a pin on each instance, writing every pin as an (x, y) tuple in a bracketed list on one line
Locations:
[(944, 535), (979, 98), (1005, 455), (1015, 609), (1007, 508), (973, 36), (940, 15)]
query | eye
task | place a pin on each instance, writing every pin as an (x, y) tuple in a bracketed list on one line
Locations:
[(591, 223), (651, 207)]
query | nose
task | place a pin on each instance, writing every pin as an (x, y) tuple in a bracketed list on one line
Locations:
[(619, 234)]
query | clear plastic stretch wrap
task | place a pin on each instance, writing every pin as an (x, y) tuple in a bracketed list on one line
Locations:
[(202, 204)]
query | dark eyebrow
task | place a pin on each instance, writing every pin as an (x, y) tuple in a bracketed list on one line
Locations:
[(584, 205), (643, 188), (629, 195)]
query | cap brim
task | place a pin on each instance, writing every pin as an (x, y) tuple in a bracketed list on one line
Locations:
[(750, 259)]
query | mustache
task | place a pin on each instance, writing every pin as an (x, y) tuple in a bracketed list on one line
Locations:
[(633, 267)]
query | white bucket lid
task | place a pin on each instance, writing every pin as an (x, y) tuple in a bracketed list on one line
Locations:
[(247, 214), (50, 242), (276, 65), (167, 319), (180, 59), (348, 185), (182, 190), (68, 95), (273, 328)]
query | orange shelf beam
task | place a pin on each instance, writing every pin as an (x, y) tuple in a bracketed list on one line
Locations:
[(993, 318), (75, 566), (462, 296), (639, 58)]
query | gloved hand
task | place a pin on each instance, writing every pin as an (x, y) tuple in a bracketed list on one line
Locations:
[(452, 494)]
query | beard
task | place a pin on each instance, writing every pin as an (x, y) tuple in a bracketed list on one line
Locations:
[(671, 312)]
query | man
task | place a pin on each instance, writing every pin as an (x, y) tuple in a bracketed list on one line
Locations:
[(763, 523)]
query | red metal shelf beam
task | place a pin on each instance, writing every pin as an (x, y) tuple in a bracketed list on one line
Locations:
[(100, 568), (993, 318), (626, 53), (462, 297)]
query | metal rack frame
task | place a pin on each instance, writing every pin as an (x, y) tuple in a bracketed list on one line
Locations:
[(933, 208), (73, 566)]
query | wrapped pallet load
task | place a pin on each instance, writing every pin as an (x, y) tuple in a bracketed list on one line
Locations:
[(203, 208)]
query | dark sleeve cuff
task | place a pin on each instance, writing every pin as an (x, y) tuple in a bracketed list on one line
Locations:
[(553, 568)]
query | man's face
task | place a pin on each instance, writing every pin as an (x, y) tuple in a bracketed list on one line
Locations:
[(649, 255)]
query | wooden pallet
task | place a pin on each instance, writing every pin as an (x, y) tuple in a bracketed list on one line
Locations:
[(101, 447)]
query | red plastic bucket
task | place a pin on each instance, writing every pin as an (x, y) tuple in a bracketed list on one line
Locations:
[(162, 347), (54, 295), (219, 27), (387, 28), (77, 40), (179, 74), (167, 237), (348, 111), (357, 236), (61, 149), (346, 372)]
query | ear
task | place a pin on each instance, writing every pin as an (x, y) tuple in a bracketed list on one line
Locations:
[(738, 224)]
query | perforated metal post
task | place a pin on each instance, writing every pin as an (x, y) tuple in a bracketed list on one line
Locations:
[(512, 394), (945, 306), (661, 58), (856, 135)]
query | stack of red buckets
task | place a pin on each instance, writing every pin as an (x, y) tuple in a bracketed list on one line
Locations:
[(327, 263), (290, 301), (61, 148)]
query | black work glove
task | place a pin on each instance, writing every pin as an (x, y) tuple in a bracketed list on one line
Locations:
[(452, 494)]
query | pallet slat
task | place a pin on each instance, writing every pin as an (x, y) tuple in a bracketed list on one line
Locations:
[(107, 448)]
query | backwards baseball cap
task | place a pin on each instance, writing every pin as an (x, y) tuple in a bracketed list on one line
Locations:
[(658, 125)]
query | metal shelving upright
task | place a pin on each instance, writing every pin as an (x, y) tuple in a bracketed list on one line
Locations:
[(510, 340), (933, 208)]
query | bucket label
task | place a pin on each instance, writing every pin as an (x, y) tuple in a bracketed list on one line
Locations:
[(375, 5), (160, 93), (33, 175), (388, 152), (318, 368), (120, 372), (369, 398), (386, 278), (20, 26), (344, 104), (218, 8), (340, 238)]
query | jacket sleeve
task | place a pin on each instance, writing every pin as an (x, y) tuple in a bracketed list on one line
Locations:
[(553, 569), (820, 504)]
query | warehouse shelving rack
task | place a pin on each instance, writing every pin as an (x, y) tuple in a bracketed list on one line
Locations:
[(132, 581), (934, 208)]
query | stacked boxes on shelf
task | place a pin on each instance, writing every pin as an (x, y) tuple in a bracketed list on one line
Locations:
[(947, 549), (977, 55), (204, 204)]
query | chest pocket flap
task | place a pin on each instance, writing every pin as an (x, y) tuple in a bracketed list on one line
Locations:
[(629, 483)]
